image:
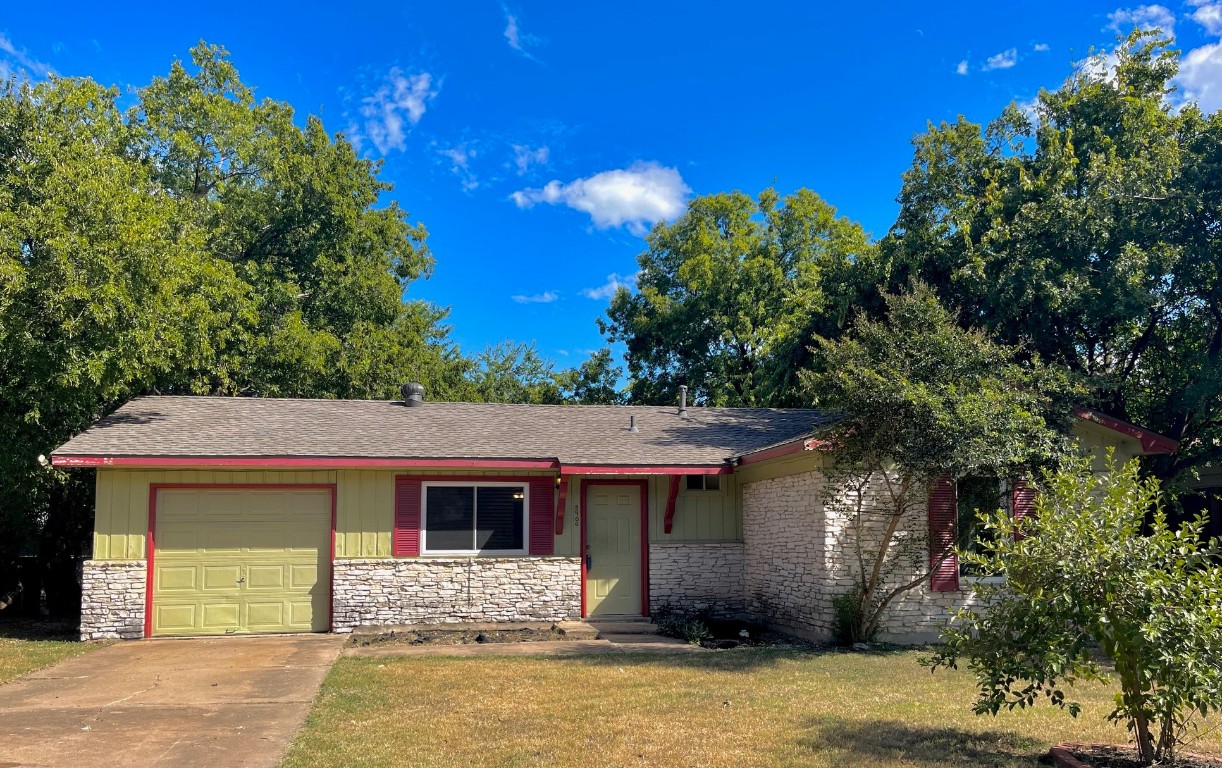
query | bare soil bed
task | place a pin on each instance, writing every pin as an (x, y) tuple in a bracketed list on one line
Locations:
[(1109, 756), (457, 637)]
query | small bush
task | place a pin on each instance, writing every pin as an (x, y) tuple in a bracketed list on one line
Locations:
[(674, 623), (848, 624)]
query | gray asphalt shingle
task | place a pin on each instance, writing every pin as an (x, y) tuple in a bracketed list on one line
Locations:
[(572, 434)]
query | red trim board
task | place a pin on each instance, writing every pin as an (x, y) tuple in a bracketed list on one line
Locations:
[(644, 486), (288, 462), (1151, 442), (151, 548), (610, 469)]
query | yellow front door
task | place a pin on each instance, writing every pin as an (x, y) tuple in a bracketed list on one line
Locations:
[(613, 550), (241, 560)]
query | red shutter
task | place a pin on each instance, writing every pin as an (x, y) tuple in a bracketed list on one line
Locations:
[(1024, 501), (943, 515), (542, 515), (407, 517)]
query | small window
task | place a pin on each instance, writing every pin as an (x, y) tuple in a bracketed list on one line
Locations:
[(461, 518), (976, 495), (704, 482)]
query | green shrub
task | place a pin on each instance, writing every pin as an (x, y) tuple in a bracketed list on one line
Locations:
[(849, 624)]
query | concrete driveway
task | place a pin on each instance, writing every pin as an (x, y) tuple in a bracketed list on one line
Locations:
[(233, 701)]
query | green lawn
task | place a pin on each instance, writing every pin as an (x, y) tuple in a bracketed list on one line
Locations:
[(755, 707), (28, 645)]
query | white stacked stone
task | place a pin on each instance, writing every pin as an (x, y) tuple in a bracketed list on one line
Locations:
[(112, 599), (453, 590), (801, 551), (707, 578)]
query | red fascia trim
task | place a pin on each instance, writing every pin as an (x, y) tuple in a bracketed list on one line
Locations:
[(1151, 442), (784, 449), (150, 548), (671, 498), (561, 505), (585, 492), (607, 469), (287, 462)]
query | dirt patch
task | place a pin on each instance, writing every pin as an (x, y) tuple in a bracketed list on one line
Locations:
[(1108, 756), (735, 634), (458, 637)]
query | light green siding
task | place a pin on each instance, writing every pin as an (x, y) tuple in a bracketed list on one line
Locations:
[(122, 505)]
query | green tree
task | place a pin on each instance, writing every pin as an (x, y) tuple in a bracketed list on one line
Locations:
[(731, 296), (201, 242), (1097, 569), (916, 397), (515, 372), (1087, 231), (594, 382)]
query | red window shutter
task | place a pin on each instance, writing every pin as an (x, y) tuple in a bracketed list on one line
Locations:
[(407, 517), (943, 516), (542, 515), (1024, 501)]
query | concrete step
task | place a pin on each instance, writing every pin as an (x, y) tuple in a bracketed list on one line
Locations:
[(576, 630), (642, 627)]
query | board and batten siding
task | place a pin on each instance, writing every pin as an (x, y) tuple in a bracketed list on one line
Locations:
[(709, 516), (121, 517), (364, 505)]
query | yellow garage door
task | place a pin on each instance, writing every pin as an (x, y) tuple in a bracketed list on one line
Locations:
[(241, 560)]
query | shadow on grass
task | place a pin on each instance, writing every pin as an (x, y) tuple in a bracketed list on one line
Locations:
[(22, 628), (873, 742), (731, 660)]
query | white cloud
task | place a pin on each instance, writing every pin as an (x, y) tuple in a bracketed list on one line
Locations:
[(608, 289), (1209, 16), (1200, 77), (524, 157), (517, 39), (460, 158), (1123, 20), (1041, 47), (547, 297), (636, 197), (1003, 60), (961, 69), (15, 61), (391, 111)]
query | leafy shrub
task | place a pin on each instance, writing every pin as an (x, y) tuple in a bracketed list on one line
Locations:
[(685, 626), (1097, 570), (849, 624)]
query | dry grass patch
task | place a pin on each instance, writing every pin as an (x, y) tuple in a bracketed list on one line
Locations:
[(749, 707), (29, 645)]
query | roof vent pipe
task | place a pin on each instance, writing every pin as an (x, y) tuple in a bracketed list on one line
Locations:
[(632, 424), (683, 401), (413, 394)]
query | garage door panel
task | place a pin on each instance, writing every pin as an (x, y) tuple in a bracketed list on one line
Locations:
[(242, 560), (181, 578), (265, 577)]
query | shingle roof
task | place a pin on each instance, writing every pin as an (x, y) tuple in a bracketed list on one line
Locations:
[(571, 434)]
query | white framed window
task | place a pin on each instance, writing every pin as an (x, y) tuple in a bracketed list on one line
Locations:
[(474, 518), (704, 482)]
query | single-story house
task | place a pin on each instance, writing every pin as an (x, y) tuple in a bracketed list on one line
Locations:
[(245, 515)]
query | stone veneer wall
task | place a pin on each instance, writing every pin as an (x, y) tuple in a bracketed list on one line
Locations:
[(452, 590), (800, 554), (698, 577), (112, 599)]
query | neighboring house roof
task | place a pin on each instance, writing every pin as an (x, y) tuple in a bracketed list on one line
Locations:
[(233, 430)]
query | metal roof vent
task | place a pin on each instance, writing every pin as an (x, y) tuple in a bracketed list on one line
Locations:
[(413, 394), (632, 424), (683, 401)]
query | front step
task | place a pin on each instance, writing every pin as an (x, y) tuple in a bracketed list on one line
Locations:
[(623, 626)]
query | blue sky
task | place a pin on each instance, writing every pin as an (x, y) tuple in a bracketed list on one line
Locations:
[(538, 141)]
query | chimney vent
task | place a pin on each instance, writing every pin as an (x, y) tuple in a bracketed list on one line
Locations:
[(413, 394), (683, 401), (632, 424)]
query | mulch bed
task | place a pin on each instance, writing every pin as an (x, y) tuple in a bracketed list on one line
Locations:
[(1108, 756), (457, 637)]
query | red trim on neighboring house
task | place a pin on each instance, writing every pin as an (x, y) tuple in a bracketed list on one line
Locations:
[(150, 547), (799, 445), (1151, 442), (671, 497), (608, 469), (562, 496), (298, 462), (644, 486)]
